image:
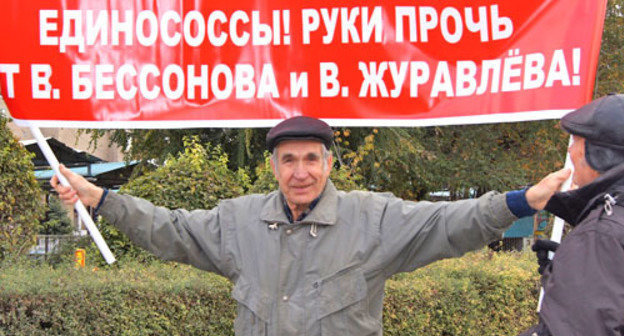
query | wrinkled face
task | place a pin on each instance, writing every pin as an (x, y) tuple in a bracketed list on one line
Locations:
[(583, 173), (301, 171)]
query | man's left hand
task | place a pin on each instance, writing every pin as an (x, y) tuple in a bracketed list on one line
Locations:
[(538, 195), (542, 248)]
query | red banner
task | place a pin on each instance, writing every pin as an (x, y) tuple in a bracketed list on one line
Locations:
[(182, 63)]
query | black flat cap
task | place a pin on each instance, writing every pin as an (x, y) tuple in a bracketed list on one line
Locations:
[(601, 122), (300, 128)]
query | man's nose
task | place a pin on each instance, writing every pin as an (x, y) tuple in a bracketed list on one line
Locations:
[(300, 171)]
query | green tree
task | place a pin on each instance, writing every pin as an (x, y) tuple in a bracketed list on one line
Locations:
[(244, 147), (610, 73), (470, 160), (464, 160), (21, 202), (56, 222)]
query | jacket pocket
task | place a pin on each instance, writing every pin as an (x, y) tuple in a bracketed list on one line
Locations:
[(253, 310), (343, 306)]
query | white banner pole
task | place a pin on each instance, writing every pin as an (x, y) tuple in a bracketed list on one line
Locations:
[(80, 208), (557, 231)]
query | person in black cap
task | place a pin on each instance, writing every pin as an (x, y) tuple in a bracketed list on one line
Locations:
[(308, 259), (584, 283), (300, 136)]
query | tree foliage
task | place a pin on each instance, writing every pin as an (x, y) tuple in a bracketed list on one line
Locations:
[(243, 146), (21, 205), (56, 221), (610, 74), (464, 160), (479, 158)]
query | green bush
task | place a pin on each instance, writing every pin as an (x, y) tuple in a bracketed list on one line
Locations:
[(483, 293), (480, 294), (21, 202), (195, 179), (137, 299)]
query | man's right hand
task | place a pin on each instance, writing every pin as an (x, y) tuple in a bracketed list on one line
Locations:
[(88, 193)]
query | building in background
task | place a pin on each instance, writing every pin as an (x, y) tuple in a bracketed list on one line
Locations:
[(72, 138)]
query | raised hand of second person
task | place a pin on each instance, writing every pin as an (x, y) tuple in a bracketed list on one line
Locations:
[(538, 195)]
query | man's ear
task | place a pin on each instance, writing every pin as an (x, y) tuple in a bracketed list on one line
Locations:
[(330, 161)]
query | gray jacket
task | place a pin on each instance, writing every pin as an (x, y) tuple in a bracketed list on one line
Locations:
[(323, 275)]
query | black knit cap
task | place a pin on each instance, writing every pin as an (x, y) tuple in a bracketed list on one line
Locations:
[(300, 128), (601, 123)]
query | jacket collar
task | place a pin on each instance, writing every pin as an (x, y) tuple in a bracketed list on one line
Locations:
[(573, 206), (324, 213)]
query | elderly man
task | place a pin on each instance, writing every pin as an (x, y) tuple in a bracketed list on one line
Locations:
[(309, 259), (584, 284)]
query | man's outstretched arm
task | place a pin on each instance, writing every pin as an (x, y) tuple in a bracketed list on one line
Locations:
[(191, 237)]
